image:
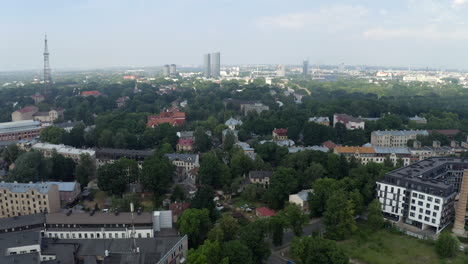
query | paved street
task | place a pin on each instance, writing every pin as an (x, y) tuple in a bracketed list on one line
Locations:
[(316, 225)]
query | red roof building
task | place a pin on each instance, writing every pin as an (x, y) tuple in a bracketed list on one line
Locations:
[(185, 144), (280, 134), (173, 116), (129, 77), (329, 144), (178, 209), (90, 93), (264, 212)]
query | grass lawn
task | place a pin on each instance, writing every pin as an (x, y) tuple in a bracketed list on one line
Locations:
[(388, 247)]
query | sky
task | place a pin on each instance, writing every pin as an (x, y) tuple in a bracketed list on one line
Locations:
[(86, 34)]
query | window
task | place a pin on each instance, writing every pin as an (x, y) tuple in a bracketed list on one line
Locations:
[(434, 214), (428, 205), (420, 203), (428, 212), (413, 207), (426, 219), (420, 216), (421, 196), (433, 221), (411, 214), (437, 200), (436, 207), (429, 199)]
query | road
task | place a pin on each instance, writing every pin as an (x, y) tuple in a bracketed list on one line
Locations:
[(315, 225)]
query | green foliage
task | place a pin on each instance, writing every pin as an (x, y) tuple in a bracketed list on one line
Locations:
[(85, 170), (204, 200), (115, 176), (253, 236), (447, 245), (195, 223), (276, 226), (63, 168), (282, 183), (339, 216), (317, 200), (178, 194), (213, 171), (31, 166), (317, 250), (374, 215), (11, 153), (270, 152), (202, 140), (157, 173), (53, 135), (294, 218)]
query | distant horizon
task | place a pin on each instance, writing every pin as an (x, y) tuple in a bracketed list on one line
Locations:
[(95, 34)]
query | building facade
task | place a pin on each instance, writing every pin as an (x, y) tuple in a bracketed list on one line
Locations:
[(185, 161), (422, 194), (109, 155), (19, 130), (70, 152), (216, 65), (321, 120), (365, 155), (280, 134), (25, 113), (207, 65), (397, 138), (350, 122), (28, 198)]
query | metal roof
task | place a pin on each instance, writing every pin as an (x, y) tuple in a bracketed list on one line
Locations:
[(401, 132), (15, 187)]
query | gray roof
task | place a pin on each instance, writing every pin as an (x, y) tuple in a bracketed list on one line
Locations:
[(304, 194), (30, 258), (22, 221), (233, 122), (15, 187), (391, 150), (401, 132), (319, 119), (99, 218), (260, 174), (191, 158), (316, 148), (417, 118), (65, 186), (26, 125), (20, 239)]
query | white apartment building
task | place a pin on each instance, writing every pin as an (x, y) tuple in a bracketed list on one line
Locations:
[(397, 138)]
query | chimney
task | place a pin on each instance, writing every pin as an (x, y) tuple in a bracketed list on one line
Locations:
[(436, 144), (417, 144)]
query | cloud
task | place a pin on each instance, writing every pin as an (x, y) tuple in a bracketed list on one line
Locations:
[(427, 33), (331, 18), (459, 3)]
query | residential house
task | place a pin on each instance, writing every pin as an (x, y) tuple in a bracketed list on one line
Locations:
[(186, 161), (321, 120), (350, 122), (48, 117), (264, 212), (185, 145), (395, 138), (233, 123), (25, 113), (37, 98), (260, 177), (280, 134), (300, 199), (121, 101)]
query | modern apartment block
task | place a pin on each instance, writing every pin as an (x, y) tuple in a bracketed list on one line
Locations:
[(422, 194), (395, 138), (18, 130), (28, 198)]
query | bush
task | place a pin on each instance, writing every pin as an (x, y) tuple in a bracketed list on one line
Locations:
[(447, 245)]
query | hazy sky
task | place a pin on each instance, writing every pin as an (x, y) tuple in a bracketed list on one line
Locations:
[(102, 33)]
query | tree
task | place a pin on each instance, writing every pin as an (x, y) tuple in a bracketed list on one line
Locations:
[(213, 172), (63, 168), (229, 140), (447, 245), (202, 140), (195, 223), (112, 178), (312, 173), (339, 216), (237, 253), (31, 166), (178, 194), (282, 183), (157, 173), (294, 218), (53, 134), (317, 200), (374, 215), (253, 192), (270, 152), (229, 226), (253, 236), (208, 253), (85, 170), (276, 225), (11, 153), (203, 199), (317, 250), (76, 136)]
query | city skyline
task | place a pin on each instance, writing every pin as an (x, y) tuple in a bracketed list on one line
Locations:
[(104, 33)]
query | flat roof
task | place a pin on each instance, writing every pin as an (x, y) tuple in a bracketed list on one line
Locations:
[(400, 132), (19, 126), (16, 187), (30, 258), (99, 218), (63, 149), (20, 239)]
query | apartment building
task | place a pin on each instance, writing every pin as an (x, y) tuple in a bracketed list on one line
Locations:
[(70, 152), (321, 120), (28, 198), (422, 194), (109, 155), (366, 155), (395, 138), (19, 130)]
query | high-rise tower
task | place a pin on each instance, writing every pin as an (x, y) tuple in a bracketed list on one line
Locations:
[(47, 71), (215, 65), (305, 68), (207, 66)]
